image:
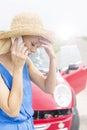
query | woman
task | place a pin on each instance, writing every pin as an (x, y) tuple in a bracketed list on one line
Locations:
[(16, 70)]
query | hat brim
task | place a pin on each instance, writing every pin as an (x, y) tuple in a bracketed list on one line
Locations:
[(21, 32)]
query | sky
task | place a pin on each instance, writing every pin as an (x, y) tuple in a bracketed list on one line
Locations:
[(65, 17)]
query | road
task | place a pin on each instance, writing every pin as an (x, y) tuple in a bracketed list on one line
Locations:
[(82, 108)]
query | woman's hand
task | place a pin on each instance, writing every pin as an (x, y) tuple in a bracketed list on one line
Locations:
[(19, 54), (48, 47)]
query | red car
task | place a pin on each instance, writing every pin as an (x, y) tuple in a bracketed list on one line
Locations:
[(58, 111)]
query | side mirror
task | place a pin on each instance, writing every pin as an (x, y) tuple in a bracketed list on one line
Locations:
[(72, 67)]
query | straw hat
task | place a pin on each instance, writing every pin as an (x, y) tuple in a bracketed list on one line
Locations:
[(26, 24)]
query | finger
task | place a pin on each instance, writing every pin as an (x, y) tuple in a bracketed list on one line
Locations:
[(26, 53), (45, 41), (44, 46), (24, 49)]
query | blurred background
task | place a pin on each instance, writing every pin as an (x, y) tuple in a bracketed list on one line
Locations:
[(65, 17)]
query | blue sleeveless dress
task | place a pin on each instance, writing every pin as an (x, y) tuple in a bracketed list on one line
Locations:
[(24, 121)]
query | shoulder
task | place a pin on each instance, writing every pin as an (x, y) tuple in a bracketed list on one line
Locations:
[(3, 87), (4, 92)]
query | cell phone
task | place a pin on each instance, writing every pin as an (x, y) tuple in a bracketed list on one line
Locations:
[(20, 40)]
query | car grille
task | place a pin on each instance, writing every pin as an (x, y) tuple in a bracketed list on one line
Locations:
[(51, 114)]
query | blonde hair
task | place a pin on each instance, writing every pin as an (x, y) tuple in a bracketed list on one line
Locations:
[(5, 45)]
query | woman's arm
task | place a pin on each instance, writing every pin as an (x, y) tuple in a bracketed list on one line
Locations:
[(10, 101), (46, 83)]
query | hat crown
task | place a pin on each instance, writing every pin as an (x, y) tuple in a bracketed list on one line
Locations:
[(27, 24), (26, 20)]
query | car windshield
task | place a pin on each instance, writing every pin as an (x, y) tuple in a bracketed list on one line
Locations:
[(68, 54), (40, 60)]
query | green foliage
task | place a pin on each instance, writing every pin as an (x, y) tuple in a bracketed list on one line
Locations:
[(56, 46), (84, 38)]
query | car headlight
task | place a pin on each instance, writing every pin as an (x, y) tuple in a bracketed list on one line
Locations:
[(62, 95)]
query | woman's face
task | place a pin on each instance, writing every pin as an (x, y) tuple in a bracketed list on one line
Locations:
[(32, 43)]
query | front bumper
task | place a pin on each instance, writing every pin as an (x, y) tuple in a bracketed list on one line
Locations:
[(59, 123)]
